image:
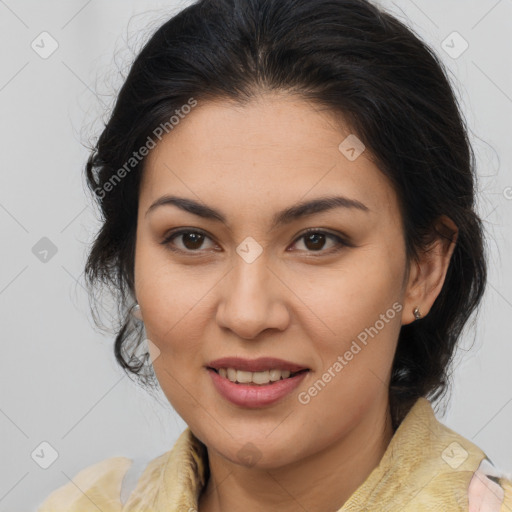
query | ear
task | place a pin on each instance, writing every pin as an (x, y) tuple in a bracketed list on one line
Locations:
[(427, 273)]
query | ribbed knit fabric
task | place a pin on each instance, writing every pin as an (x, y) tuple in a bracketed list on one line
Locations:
[(427, 467)]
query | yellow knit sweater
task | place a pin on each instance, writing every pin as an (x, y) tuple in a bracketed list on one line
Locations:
[(426, 467)]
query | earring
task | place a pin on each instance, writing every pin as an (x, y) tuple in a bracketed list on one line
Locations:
[(135, 312), (416, 313)]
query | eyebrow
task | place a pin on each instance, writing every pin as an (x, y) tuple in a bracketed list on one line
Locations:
[(281, 218)]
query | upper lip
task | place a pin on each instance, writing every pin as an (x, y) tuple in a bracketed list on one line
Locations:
[(255, 365)]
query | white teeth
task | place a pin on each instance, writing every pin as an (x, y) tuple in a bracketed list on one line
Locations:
[(274, 375), (261, 377), (245, 377)]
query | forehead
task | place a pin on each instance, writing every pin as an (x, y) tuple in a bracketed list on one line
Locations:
[(276, 149)]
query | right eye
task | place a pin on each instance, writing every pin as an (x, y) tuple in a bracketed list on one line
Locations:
[(190, 240)]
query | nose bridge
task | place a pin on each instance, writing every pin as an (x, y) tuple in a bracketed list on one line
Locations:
[(250, 301), (250, 271), (250, 281)]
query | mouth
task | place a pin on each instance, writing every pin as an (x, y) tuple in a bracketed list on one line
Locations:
[(255, 383), (259, 378)]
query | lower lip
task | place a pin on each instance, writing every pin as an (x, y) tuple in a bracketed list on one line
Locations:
[(252, 395)]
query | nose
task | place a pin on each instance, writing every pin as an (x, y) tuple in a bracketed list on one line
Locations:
[(252, 300)]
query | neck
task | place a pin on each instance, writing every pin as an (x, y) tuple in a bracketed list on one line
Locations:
[(321, 482)]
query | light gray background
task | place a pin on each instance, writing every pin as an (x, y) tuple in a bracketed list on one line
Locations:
[(59, 380)]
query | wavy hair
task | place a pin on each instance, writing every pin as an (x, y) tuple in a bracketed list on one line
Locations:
[(363, 65)]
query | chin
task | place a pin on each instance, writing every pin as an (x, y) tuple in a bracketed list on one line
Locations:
[(258, 453)]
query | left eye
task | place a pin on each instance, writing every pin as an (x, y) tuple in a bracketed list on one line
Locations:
[(192, 241), (315, 241)]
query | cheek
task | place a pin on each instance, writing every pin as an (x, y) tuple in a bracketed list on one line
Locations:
[(361, 308), (170, 299), (352, 296), (358, 319)]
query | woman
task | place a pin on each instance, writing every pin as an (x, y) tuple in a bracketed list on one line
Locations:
[(287, 190)]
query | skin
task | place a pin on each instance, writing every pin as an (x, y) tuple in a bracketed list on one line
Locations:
[(293, 302)]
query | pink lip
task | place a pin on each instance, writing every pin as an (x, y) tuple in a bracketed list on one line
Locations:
[(255, 365), (251, 395)]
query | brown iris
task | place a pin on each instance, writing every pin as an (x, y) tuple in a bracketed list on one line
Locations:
[(317, 239)]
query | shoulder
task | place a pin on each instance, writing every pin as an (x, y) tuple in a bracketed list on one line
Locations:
[(123, 484), (506, 484), (490, 489), (98, 486), (441, 467)]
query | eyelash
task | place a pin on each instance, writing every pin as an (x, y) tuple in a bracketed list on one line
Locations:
[(341, 243)]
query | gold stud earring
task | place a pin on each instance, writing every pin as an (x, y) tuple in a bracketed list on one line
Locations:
[(416, 313)]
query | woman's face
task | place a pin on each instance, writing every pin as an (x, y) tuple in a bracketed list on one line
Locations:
[(255, 286)]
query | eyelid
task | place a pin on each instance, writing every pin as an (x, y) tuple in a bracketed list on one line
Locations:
[(323, 231), (170, 235), (342, 240)]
